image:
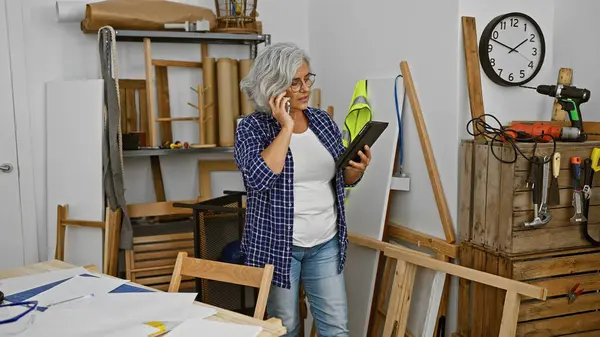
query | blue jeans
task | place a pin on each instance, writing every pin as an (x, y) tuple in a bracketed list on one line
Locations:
[(325, 288)]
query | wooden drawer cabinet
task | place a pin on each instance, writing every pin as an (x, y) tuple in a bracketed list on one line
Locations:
[(495, 202), (480, 307)]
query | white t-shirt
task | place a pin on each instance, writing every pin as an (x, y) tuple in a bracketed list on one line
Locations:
[(315, 215)]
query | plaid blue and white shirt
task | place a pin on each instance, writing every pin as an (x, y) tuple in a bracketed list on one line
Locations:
[(268, 233)]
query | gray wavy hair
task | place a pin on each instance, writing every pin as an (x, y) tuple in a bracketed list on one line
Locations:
[(272, 73)]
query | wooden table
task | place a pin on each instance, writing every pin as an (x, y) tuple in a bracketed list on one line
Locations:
[(271, 327)]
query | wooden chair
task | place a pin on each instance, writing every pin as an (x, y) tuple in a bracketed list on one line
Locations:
[(407, 262), (152, 259), (225, 272), (111, 227)]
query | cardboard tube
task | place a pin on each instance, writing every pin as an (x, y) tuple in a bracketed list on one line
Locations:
[(235, 88), (225, 98), (246, 107), (316, 101), (209, 79)]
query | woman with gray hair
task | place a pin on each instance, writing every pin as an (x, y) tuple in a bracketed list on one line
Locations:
[(295, 216)]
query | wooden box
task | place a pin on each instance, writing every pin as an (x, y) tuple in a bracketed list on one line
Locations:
[(494, 201), (480, 306)]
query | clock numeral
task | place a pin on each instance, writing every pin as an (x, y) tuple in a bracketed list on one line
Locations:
[(503, 25), (534, 53), (500, 72), (514, 22), (495, 34), (530, 64), (493, 61), (490, 48), (532, 39), (511, 77), (525, 25), (522, 74)]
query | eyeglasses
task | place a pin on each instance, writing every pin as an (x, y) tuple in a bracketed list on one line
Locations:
[(309, 80), (16, 317)]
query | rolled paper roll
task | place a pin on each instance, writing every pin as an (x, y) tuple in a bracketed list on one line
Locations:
[(225, 98), (246, 107), (209, 79), (235, 88)]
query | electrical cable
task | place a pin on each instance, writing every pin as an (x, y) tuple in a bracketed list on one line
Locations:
[(400, 145), (501, 134)]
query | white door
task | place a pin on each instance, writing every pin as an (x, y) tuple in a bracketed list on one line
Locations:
[(11, 234)]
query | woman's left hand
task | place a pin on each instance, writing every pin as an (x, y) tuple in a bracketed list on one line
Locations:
[(365, 159)]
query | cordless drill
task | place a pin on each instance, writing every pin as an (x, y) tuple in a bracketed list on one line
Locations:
[(570, 99)]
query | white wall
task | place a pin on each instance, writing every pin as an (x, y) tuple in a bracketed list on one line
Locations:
[(577, 47), (371, 40), (59, 51)]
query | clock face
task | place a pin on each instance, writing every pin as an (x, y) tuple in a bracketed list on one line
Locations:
[(512, 49)]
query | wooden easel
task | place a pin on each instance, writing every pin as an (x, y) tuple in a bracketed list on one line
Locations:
[(445, 249)]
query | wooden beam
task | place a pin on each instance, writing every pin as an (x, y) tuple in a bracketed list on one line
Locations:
[(565, 77), (398, 232), (469, 30), (411, 256), (434, 175), (175, 63)]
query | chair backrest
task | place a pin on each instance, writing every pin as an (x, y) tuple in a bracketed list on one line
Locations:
[(130, 105), (111, 227), (225, 272), (152, 259)]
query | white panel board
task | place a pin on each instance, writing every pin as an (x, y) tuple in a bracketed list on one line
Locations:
[(74, 126), (367, 205)]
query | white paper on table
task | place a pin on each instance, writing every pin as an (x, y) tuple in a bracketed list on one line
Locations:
[(208, 328), (10, 286), (111, 313), (78, 286)]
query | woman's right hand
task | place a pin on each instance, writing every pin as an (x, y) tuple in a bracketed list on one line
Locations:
[(280, 113)]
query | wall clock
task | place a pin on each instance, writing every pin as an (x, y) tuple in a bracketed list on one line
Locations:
[(512, 49)]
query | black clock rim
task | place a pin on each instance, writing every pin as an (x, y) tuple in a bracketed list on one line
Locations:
[(485, 39)]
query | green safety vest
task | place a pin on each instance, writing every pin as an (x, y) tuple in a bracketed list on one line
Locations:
[(358, 115)]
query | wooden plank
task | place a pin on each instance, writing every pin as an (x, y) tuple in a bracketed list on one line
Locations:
[(130, 110), (480, 189), (504, 270), (492, 202), (561, 217), (159, 187), (561, 325), (574, 264), (132, 84), (469, 30), (561, 285), (508, 326), (143, 107), (464, 293), (550, 239), (123, 109), (491, 266), (399, 232), (523, 202), (479, 305), (505, 221), (565, 77), (565, 180), (434, 175), (465, 190), (164, 104), (534, 310), (175, 63), (567, 150), (150, 97)]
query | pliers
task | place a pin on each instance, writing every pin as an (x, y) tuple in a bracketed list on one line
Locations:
[(574, 293)]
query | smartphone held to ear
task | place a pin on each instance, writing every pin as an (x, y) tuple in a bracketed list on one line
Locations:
[(287, 107)]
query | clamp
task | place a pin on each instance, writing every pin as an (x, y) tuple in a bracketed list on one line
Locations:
[(574, 293)]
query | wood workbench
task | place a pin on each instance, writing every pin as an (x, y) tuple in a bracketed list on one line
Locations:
[(271, 327)]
